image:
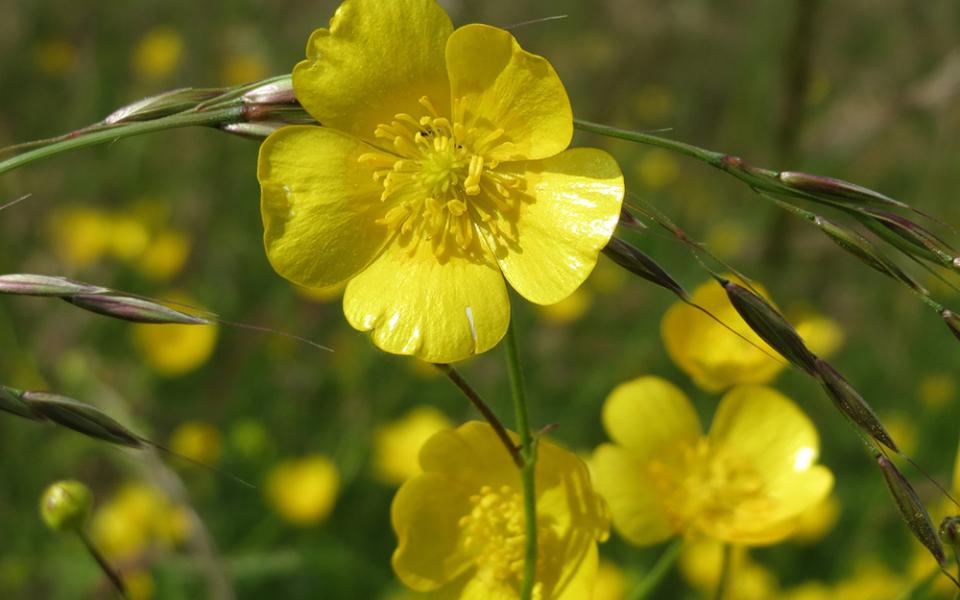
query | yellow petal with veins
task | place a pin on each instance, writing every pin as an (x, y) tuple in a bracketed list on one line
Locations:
[(319, 204), (440, 310), (561, 221), (502, 86), (377, 59)]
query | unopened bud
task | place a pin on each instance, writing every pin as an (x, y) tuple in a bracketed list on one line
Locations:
[(950, 532), (136, 310), (26, 284), (66, 505)]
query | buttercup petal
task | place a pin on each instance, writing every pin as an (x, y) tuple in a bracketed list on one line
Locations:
[(712, 355), (439, 310), (639, 515), (502, 86), (425, 515), (377, 59), (562, 221), (472, 453), (572, 518), (319, 205), (765, 430), (648, 415)]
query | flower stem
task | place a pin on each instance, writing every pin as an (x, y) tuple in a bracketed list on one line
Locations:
[(108, 570), (528, 453), (93, 136), (725, 567), (655, 575), (484, 409)]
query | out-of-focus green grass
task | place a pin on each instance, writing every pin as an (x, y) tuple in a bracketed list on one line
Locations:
[(881, 109)]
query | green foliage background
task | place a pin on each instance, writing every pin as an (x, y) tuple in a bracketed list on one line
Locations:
[(880, 107)]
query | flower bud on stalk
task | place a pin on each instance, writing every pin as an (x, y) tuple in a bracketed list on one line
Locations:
[(135, 310), (45, 285), (162, 105), (912, 510), (66, 506)]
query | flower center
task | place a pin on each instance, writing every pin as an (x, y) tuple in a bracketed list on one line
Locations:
[(441, 182), (704, 489), (493, 533)]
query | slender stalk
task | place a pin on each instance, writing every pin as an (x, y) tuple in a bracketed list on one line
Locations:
[(725, 567), (117, 132), (711, 158), (108, 570), (528, 452), (660, 569), (484, 409)]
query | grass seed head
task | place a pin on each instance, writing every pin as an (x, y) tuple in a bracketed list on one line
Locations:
[(135, 310), (912, 509), (852, 404)]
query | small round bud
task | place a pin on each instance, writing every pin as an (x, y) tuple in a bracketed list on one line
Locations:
[(950, 532), (66, 505)]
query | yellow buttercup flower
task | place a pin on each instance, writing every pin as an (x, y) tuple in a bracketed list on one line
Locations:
[(441, 169), (158, 53), (715, 357), (197, 441), (743, 483), (460, 523), (396, 445), (80, 235), (175, 350), (303, 491), (137, 518)]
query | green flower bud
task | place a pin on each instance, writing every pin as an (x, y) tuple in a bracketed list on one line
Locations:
[(66, 505)]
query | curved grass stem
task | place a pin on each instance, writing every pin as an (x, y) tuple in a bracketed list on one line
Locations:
[(528, 453), (96, 136)]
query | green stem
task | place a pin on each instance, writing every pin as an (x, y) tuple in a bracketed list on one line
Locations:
[(527, 473), (655, 576), (105, 566), (711, 158), (483, 408), (117, 132), (725, 567)]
